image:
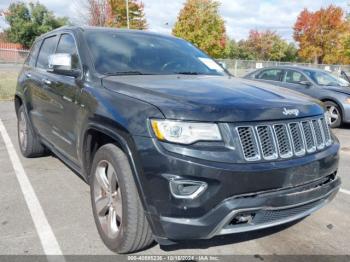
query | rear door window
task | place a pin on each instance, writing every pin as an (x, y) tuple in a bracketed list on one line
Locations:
[(47, 48), (271, 74)]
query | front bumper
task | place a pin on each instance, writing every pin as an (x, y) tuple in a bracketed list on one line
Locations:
[(273, 192), (269, 209)]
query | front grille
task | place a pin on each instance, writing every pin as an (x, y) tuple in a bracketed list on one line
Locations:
[(283, 140)]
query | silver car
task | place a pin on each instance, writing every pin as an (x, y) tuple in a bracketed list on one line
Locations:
[(320, 84)]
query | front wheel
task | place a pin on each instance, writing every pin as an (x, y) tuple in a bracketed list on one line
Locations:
[(334, 113), (116, 206)]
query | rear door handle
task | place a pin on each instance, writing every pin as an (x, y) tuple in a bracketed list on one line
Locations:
[(46, 82)]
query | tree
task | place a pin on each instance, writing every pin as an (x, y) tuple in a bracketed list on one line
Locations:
[(2, 37), (97, 12), (291, 53), (266, 45), (318, 34), (112, 13), (29, 21), (118, 16), (199, 22)]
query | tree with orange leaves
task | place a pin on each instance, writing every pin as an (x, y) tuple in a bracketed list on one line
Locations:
[(319, 34)]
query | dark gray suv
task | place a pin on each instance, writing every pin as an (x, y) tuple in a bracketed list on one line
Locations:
[(173, 147), (334, 92)]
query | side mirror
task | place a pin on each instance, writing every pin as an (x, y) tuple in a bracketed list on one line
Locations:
[(306, 83), (61, 63)]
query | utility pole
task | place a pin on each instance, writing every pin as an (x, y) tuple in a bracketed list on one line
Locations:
[(127, 13)]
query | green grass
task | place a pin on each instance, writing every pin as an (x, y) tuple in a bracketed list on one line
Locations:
[(8, 81)]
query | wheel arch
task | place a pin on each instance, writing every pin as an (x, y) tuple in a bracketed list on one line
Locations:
[(18, 102), (97, 135)]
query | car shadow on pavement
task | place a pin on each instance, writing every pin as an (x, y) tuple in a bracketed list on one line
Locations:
[(227, 239), (344, 126)]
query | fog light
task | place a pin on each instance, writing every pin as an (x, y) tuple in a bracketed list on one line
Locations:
[(187, 188), (242, 219)]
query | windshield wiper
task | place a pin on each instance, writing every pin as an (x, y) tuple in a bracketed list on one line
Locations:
[(127, 73)]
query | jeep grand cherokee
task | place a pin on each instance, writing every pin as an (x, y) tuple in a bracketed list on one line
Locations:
[(172, 146)]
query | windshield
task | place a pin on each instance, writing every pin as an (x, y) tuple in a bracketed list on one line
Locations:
[(128, 53), (325, 79)]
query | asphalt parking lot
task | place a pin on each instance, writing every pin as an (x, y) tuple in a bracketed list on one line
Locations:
[(65, 201)]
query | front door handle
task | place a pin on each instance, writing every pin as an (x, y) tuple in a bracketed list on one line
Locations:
[(46, 82)]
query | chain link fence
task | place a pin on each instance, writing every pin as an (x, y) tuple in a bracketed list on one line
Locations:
[(242, 67), (13, 56)]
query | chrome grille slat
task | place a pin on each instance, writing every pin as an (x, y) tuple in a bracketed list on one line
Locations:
[(267, 142), (283, 140), (318, 134), (297, 139), (271, 141), (309, 137), (327, 133), (249, 143)]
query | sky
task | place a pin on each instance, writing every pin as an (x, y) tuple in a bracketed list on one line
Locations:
[(240, 15)]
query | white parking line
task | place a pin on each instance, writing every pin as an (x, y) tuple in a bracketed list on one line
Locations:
[(43, 228), (345, 191)]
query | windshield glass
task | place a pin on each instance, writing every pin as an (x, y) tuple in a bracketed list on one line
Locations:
[(119, 53), (325, 79)]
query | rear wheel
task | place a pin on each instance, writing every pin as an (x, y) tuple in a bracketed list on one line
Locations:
[(116, 206), (29, 142), (334, 113)]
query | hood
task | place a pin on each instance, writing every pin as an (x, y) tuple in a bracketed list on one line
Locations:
[(213, 98)]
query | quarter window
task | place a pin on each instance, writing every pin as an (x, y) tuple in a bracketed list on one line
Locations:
[(33, 54), (47, 48), (294, 77), (271, 74)]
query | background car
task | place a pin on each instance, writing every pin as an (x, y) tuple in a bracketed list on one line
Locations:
[(313, 82)]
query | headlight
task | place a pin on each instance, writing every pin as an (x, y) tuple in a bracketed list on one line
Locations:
[(185, 132)]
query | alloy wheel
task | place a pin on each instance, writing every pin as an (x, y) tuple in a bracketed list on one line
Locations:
[(108, 199), (333, 113), (23, 131)]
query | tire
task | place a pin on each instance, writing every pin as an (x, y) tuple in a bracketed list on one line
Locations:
[(335, 114), (117, 210), (28, 141)]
